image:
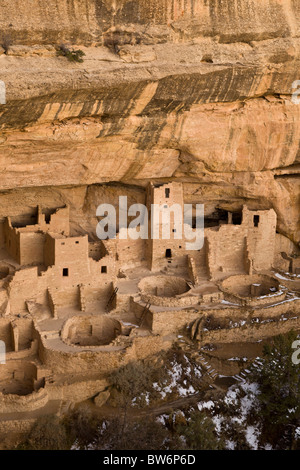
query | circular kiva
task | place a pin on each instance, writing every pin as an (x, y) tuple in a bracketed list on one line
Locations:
[(18, 378), (252, 290), (97, 330), (168, 291)]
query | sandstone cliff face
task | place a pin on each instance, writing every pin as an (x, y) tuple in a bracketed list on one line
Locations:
[(197, 91)]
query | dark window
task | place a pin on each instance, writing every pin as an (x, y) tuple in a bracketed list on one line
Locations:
[(237, 218), (168, 253), (65, 272), (174, 230), (167, 192), (77, 242), (256, 220), (216, 218), (104, 269)]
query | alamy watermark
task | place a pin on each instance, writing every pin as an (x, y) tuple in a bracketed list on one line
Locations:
[(296, 94), (2, 353), (296, 354), (165, 220), (2, 92)]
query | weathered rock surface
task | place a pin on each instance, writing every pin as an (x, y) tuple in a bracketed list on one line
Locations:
[(101, 398), (198, 91)]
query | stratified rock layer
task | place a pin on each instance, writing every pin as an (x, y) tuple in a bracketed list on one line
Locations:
[(198, 91)]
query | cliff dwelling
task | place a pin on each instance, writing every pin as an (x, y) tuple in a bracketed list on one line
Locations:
[(176, 124), (64, 294)]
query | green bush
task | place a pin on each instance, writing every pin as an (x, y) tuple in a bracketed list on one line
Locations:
[(279, 385), (71, 54), (199, 433), (134, 380), (47, 433), (136, 434), (81, 425), (6, 43)]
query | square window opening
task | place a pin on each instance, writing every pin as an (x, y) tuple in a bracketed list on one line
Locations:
[(256, 220)]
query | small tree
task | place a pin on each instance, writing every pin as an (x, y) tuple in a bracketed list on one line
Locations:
[(81, 425), (47, 433), (139, 434), (131, 381), (71, 54), (199, 433), (6, 43), (279, 387), (135, 379)]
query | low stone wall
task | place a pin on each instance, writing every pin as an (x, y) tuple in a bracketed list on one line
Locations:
[(250, 333), (265, 300), (24, 353), (255, 302), (170, 301), (145, 347), (212, 297), (104, 361), (84, 362), (15, 403), (77, 391), (16, 426), (267, 311), (292, 305), (167, 322), (252, 325)]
